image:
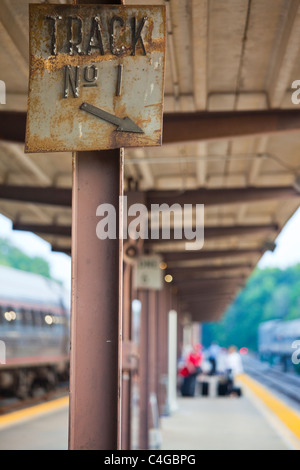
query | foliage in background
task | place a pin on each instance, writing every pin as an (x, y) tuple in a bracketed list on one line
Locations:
[(13, 257), (269, 294)]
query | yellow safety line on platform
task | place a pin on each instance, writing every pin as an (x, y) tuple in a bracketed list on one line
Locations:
[(19, 416), (286, 415)]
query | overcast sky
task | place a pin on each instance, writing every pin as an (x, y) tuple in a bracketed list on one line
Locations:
[(286, 254), (60, 264)]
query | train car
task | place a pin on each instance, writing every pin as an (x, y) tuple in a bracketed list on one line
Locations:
[(34, 330), (276, 341), (267, 338)]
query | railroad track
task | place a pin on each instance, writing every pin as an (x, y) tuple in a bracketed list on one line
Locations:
[(9, 405), (285, 383)]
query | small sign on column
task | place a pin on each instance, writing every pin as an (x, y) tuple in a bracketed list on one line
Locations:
[(148, 273)]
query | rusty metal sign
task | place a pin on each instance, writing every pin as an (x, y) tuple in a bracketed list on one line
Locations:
[(96, 77), (148, 274)]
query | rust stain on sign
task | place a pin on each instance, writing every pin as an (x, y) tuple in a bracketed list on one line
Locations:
[(96, 77)]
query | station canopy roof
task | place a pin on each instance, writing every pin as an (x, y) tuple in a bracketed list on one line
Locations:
[(231, 141)]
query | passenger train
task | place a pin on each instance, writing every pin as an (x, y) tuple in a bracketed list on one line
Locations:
[(277, 341), (34, 332)]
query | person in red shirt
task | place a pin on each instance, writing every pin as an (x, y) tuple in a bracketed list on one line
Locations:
[(195, 359), (191, 370)]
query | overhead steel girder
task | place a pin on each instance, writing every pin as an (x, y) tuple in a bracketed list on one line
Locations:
[(218, 232), (183, 256), (205, 307), (60, 249), (192, 286), (221, 292), (192, 298), (184, 127), (239, 230), (207, 126), (209, 285), (210, 197), (58, 196), (207, 304), (196, 273), (12, 126), (184, 301), (225, 293), (56, 230), (204, 269), (210, 232), (37, 194), (197, 289), (206, 314)]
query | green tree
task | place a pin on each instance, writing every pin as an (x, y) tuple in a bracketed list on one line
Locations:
[(13, 257), (269, 294)]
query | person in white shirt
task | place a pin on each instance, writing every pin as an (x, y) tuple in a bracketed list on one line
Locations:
[(234, 362), (222, 361)]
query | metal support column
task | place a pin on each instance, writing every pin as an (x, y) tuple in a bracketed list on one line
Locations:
[(143, 296), (153, 413), (164, 307), (96, 306), (172, 360), (126, 372)]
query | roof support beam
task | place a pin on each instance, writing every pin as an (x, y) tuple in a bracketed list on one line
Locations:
[(185, 127), (219, 232), (213, 284), (58, 196), (209, 296), (209, 126), (210, 232), (37, 194), (218, 197), (12, 126), (56, 230), (205, 304), (198, 292), (60, 249), (208, 269), (209, 305), (239, 230), (208, 315), (183, 256)]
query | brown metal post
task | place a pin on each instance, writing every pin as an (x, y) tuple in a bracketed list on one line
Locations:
[(143, 296), (163, 349), (176, 307), (96, 296), (152, 362), (126, 373), (180, 332), (152, 333), (158, 339)]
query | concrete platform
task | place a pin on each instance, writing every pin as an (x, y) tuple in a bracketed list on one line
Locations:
[(43, 427), (205, 423), (257, 421)]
